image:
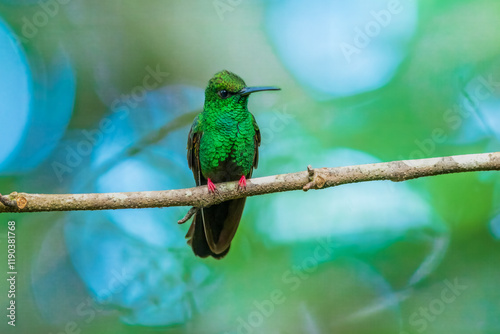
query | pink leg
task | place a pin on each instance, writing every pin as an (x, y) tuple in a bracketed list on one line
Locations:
[(242, 183), (211, 186)]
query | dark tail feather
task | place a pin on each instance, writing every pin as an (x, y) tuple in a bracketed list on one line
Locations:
[(198, 241), (222, 220)]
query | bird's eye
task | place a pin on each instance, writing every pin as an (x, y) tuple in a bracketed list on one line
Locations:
[(224, 94)]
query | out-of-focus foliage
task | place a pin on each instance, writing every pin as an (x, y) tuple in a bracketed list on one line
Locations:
[(98, 96)]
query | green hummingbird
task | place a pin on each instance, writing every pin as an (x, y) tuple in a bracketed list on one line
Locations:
[(223, 145)]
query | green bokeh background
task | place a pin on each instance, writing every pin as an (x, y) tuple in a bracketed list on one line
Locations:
[(456, 41)]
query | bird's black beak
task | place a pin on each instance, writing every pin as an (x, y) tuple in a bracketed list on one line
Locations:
[(249, 90)]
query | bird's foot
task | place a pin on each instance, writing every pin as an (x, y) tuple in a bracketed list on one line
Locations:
[(211, 187), (242, 183)]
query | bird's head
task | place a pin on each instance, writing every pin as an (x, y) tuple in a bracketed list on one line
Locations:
[(226, 89)]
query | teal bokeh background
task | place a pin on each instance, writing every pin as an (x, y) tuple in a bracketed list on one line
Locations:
[(98, 96)]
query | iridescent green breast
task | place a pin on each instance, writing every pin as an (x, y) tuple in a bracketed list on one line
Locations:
[(227, 146)]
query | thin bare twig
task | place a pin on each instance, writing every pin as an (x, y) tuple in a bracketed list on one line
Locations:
[(188, 215), (318, 178), (7, 202)]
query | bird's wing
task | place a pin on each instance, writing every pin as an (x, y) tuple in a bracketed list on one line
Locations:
[(257, 143), (211, 221), (193, 152)]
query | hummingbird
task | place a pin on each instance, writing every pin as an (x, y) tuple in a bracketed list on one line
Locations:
[(223, 145)]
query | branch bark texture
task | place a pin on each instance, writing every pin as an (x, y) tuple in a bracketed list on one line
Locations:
[(318, 178)]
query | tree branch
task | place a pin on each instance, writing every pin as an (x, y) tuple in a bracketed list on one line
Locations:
[(318, 178)]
